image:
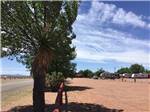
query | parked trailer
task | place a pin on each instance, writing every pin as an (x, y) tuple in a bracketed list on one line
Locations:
[(140, 75), (125, 75), (107, 75)]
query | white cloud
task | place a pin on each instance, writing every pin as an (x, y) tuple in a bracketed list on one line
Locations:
[(98, 44), (149, 25), (103, 12), (111, 45), (122, 17)]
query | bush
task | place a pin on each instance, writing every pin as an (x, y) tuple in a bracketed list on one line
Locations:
[(54, 80)]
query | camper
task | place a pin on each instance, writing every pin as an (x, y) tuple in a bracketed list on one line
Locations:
[(107, 75), (125, 75), (140, 75)]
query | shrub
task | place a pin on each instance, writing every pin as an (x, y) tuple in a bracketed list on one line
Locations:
[(54, 80)]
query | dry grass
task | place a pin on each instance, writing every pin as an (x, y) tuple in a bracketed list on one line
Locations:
[(17, 98)]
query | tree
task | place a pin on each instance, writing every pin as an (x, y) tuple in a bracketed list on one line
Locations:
[(98, 72), (86, 73), (30, 33), (136, 68), (147, 71), (123, 70), (61, 63)]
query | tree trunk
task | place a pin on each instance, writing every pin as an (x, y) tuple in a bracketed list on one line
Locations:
[(38, 93), (39, 70)]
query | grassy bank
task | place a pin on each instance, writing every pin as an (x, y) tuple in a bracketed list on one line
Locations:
[(16, 98)]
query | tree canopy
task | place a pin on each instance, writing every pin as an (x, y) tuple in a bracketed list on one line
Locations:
[(99, 71), (86, 73), (134, 68), (26, 26), (123, 70)]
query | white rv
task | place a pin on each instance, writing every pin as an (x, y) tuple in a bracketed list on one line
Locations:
[(140, 75)]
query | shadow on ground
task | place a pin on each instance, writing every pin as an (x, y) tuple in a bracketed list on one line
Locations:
[(72, 107), (88, 107), (76, 88), (69, 88)]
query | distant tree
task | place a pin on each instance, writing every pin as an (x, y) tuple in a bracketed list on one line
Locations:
[(98, 72), (86, 73), (136, 68), (80, 72), (147, 71), (123, 70)]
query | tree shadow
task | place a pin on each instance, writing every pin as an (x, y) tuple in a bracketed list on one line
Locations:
[(68, 88), (89, 107), (25, 108), (48, 89), (71, 107), (76, 88), (29, 108)]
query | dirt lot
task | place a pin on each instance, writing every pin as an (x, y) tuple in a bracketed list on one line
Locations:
[(89, 95), (126, 96)]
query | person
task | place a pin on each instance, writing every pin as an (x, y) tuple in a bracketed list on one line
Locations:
[(123, 76), (133, 76)]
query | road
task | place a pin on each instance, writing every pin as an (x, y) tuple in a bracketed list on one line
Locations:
[(13, 86)]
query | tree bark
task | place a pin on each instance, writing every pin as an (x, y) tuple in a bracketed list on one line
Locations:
[(38, 93), (39, 70)]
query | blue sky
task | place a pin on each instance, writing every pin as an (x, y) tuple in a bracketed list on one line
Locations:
[(109, 35)]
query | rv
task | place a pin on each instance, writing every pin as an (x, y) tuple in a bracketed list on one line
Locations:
[(107, 75), (140, 75), (125, 75)]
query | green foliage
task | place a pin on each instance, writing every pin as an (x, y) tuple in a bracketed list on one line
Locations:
[(27, 26), (136, 68), (67, 68), (54, 80), (86, 73), (147, 71), (123, 70), (98, 72)]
